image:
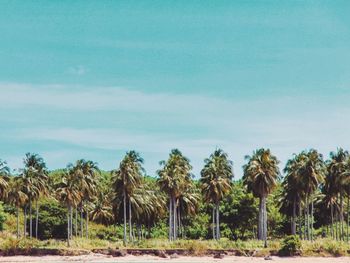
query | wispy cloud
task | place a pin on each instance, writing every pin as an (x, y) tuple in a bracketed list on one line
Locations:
[(154, 123)]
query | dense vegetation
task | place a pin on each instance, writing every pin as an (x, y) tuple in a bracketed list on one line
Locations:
[(310, 200)]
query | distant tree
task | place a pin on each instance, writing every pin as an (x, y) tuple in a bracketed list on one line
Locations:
[(260, 176), (216, 177), (127, 179), (35, 181), (174, 177)]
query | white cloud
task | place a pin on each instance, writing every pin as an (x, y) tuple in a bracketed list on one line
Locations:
[(195, 124)]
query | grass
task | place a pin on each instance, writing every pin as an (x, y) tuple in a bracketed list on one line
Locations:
[(319, 247)]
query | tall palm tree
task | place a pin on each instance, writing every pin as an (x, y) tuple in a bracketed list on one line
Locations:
[(339, 179), (69, 194), (34, 184), (292, 194), (311, 173), (216, 177), (85, 177), (16, 196), (126, 179), (260, 176), (173, 178)]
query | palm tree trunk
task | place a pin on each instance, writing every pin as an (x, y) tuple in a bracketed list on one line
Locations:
[(76, 222), (341, 216), (71, 222), (68, 226), (312, 219), (307, 217), (174, 220), (130, 222), (332, 221), (347, 217), (300, 219), (36, 219), (265, 221), (124, 208), (87, 223), (170, 218), (25, 221), (336, 225), (217, 221), (261, 219), (30, 219), (81, 220), (305, 220), (214, 236), (17, 222), (294, 217), (179, 220)]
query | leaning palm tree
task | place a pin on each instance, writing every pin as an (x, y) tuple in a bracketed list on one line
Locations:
[(260, 176), (126, 179), (16, 196), (173, 178), (216, 177)]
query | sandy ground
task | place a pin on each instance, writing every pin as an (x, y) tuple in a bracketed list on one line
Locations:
[(141, 259)]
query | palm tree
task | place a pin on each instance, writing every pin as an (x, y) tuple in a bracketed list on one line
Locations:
[(34, 184), (292, 194), (85, 178), (68, 193), (260, 176), (102, 211), (188, 205), (16, 196), (173, 177), (4, 177), (311, 173), (127, 179), (216, 177), (338, 178)]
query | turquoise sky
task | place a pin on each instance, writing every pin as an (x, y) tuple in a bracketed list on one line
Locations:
[(93, 79)]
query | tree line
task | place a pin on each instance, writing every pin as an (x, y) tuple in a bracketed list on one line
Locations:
[(128, 197)]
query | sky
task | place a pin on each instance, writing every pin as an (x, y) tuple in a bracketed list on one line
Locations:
[(94, 79)]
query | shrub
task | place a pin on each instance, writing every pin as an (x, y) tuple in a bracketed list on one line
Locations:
[(52, 220), (290, 246), (2, 217), (110, 233)]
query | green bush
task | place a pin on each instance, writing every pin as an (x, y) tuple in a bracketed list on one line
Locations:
[(290, 246), (110, 233), (52, 220), (2, 217)]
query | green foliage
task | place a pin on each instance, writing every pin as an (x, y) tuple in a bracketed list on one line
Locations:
[(2, 217), (110, 233), (52, 220), (239, 213), (290, 246)]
